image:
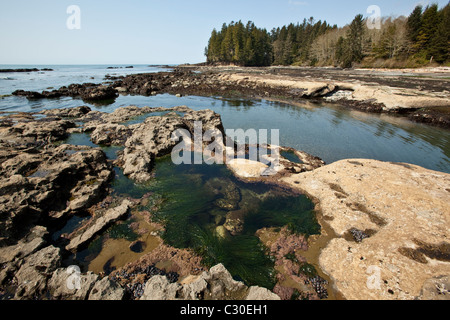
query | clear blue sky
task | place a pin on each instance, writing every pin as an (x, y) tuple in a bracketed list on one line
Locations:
[(153, 31)]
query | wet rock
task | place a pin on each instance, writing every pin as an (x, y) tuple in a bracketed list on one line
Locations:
[(229, 195), (36, 132), (106, 289), (98, 224), (320, 286), (99, 93), (67, 112), (234, 222)]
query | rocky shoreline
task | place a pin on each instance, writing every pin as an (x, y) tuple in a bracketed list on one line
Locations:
[(24, 70), (384, 225), (45, 183), (420, 99)]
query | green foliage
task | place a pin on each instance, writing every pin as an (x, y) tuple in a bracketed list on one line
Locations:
[(239, 44), (423, 36), (429, 33), (414, 23)]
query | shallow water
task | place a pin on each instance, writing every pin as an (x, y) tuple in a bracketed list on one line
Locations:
[(193, 203), (328, 131), (64, 75)]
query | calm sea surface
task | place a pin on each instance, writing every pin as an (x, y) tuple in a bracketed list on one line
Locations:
[(324, 130)]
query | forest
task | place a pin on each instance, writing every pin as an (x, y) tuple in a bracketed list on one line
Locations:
[(421, 39)]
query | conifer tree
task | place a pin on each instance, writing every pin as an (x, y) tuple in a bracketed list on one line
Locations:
[(413, 26)]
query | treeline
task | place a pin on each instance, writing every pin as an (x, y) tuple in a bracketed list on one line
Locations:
[(239, 44), (416, 40)]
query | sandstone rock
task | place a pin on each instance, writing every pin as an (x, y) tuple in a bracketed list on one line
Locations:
[(26, 246), (247, 168), (106, 289), (159, 288), (59, 285), (67, 112), (36, 132), (36, 269), (112, 215), (406, 208), (110, 134), (153, 138), (258, 293), (221, 283), (437, 288)]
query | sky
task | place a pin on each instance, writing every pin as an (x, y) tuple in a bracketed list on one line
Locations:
[(153, 31)]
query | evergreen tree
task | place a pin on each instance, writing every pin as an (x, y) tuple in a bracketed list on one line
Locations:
[(413, 26), (440, 41), (355, 39), (425, 34), (428, 28)]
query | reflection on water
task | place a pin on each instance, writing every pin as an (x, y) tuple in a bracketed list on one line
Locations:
[(328, 131)]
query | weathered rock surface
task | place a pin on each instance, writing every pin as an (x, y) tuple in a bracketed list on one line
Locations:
[(110, 134), (106, 289), (159, 288), (26, 246), (437, 288), (153, 138), (39, 183), (33, 274), (98, 224), (405, 212), (215, 284), (258, 293), (65, 285), (87, 91)]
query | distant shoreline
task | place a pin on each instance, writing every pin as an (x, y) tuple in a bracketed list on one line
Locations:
[(24, 70)]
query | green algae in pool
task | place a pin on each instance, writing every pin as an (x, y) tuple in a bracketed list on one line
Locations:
[(203, 202), (79, 139), (200, 204), (84, 139), (291, 156), (141, 118)]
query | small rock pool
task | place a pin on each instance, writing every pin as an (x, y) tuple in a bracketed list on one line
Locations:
[(200, 207)]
